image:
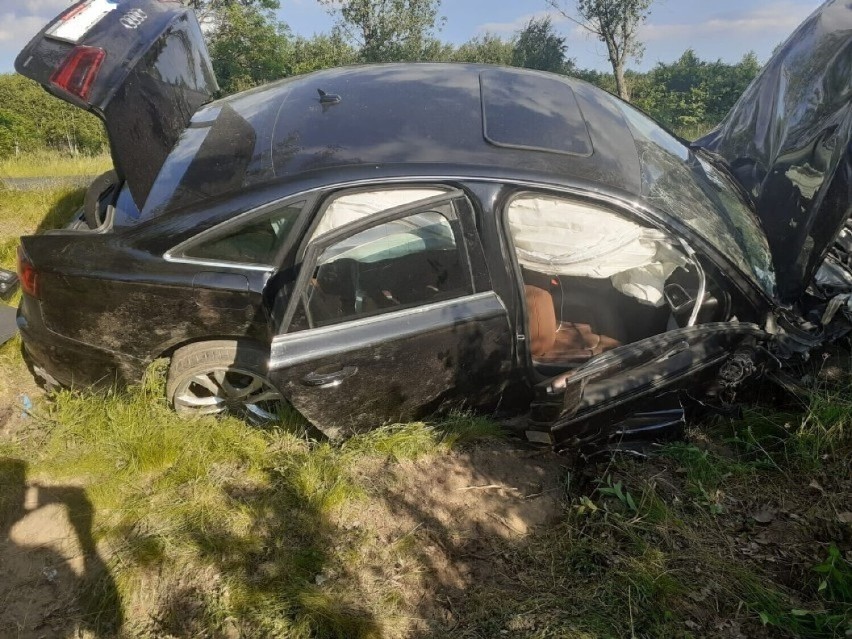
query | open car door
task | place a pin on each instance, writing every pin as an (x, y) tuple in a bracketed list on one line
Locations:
[(140, 65), (619, 399), (392, 318)]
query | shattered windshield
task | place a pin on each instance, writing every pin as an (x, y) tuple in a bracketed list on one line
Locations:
[(681, 183)]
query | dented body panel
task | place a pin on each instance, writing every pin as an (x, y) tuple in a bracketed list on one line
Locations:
[(788, 140)]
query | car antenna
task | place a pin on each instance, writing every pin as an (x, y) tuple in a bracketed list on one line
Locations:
[(328, 99)]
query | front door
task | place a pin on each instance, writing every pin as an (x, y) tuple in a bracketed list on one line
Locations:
[(607, 402), (388, 323)]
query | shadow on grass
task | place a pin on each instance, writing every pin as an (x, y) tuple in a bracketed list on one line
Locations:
[(62, 210), (273, 568), (51, 573)]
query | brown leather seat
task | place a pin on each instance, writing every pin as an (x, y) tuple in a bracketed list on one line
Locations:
[(554, 342)]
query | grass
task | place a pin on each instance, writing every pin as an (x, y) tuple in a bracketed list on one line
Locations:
[(31, 211), (210, 527), (216, 496), (51, 164)]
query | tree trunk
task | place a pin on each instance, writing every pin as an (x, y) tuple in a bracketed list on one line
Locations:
[(617, 58), (620, 83)]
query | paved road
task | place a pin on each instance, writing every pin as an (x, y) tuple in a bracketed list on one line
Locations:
[(33, 183)]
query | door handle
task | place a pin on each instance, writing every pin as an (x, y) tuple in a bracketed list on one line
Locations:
[(329, 380)]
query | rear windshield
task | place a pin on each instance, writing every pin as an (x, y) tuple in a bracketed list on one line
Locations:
[(703, 197)]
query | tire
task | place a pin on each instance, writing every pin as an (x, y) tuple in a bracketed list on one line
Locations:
[(223, 377), (92, 200)]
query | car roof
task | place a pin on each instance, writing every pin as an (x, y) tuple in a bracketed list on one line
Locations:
[(448, 119)]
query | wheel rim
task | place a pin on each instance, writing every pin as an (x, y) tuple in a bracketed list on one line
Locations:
[(229, 390)]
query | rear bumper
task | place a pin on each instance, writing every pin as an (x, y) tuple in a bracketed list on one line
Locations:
[(65, 362)]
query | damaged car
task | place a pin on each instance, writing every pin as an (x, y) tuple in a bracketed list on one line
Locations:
[(379, 243)]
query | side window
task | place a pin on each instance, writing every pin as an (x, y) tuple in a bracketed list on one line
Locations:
[(254, 242), (398, 264)]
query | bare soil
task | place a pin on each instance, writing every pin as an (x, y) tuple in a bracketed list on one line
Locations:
[(41, 565)]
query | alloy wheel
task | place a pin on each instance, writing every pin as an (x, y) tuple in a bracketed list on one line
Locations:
[(229, 390)]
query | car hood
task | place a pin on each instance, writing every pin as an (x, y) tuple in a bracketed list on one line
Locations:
[(140, 65), (787, 140)]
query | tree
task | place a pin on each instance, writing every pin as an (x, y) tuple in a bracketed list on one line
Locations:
[(35, 120), (616, 23), (319, 52), (692, 95), (387, 30), (485, 49), (247, 47), (211, 10), (538, 47)]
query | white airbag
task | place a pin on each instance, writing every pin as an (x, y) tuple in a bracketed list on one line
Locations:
[(356, 206), (560, 237)]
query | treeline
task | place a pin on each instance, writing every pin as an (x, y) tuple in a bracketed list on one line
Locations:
[(690, 95), (248, 48), (32, 120)]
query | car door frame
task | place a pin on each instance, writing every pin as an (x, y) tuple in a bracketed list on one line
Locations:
[(566, 421), (483, 303), (310, 248)]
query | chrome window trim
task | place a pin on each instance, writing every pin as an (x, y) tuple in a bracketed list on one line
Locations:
[(263, 268), (304, 343), (174, 254)]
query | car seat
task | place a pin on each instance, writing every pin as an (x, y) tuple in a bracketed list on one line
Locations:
[(552, 342)]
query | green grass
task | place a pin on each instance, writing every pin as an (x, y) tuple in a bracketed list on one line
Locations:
[(31, 211), (49, 164), (174, 496)]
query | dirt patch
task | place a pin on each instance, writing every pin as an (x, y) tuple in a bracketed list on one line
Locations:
[(40, 568), (436, 525), (49, 565)]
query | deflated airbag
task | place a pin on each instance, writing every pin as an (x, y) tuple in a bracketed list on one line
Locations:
[(559, 237)]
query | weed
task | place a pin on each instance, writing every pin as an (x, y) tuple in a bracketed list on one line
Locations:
[(609, 488), (798, 442), (413, 440), (835, 577), (705, 471)]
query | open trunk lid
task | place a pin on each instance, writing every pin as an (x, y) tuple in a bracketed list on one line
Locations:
[(140, 65), (787, 140)]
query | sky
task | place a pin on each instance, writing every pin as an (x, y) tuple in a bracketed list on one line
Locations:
[(715, 29)]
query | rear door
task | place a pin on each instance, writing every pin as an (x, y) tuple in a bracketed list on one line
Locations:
[(599, 404), (392, 318), (140, 65)]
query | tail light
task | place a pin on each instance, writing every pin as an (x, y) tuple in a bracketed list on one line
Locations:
[(79, 69), (27, 274)]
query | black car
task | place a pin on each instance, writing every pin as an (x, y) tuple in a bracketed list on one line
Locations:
[(377, 243)]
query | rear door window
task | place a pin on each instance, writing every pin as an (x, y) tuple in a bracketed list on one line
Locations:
[(254, 242), (395, 264)]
